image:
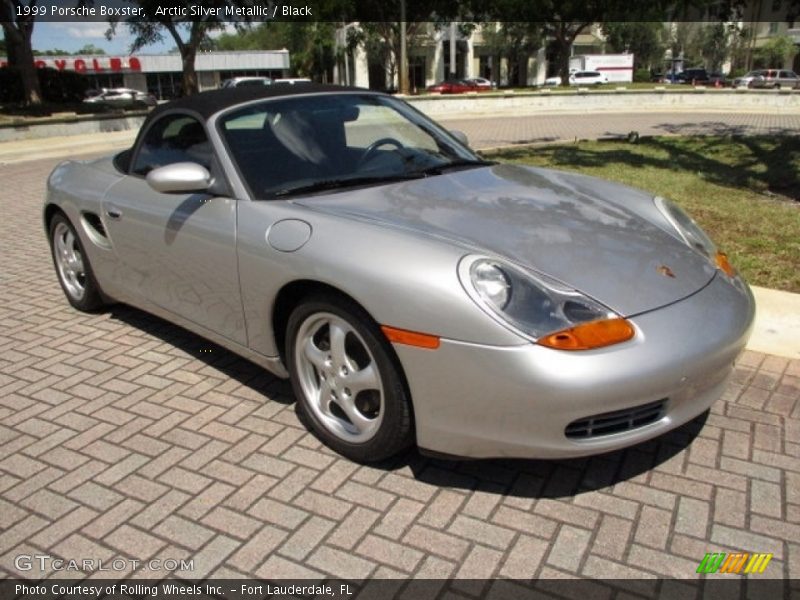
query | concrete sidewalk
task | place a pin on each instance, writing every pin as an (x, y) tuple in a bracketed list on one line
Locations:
[(66, 146), (777, 327)]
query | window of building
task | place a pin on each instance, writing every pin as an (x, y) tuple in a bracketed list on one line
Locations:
[(773, 28), (110, 80), (165, 86)]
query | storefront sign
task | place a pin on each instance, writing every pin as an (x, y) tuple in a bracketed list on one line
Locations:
[(99, 64)]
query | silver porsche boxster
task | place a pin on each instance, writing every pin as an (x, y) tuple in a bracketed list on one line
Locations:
[(412, 291)]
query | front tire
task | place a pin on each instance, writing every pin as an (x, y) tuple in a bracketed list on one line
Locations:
[(346, 380), (72, 266)]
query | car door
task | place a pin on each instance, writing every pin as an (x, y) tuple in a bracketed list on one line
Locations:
[(788, 79), (177, 251)]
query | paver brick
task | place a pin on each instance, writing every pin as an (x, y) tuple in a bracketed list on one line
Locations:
[(730, 507), (232, 523), (613, 537), (436, 542), (391, 553), (569, 547), (257, 548), (444, 506), (135, 542), (183, 532), (740, 538), (340, 563)]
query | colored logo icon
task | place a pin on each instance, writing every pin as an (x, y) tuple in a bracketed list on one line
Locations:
[(739, 563)]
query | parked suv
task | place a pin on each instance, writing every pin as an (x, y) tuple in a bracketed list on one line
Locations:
[(587, 78), (694, 76), (776, 79)]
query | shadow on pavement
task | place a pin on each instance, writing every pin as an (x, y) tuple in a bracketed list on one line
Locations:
[(512, 477), (227, 363)]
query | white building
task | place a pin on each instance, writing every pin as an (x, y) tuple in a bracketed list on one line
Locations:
[(161, 74), (437, 54)]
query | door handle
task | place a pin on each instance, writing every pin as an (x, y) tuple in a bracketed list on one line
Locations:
[(113, 212)]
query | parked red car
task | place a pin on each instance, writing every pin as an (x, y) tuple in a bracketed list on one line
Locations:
[(454, 86)]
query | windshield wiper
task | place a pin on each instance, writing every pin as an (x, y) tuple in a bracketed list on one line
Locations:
[(333, 184), (455, 164)]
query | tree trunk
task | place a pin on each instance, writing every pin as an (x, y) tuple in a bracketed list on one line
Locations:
[(190, 84), (20, 56), (30, 78), (562, 48)]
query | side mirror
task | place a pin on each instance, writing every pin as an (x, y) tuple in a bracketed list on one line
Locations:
[(460, 136), (180, 177)]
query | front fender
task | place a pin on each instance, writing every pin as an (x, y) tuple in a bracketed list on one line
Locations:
[(401, 278)]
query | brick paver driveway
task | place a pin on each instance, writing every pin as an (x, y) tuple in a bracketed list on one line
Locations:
[(124, 436)]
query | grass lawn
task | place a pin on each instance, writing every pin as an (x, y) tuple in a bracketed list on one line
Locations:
[(744, 191)]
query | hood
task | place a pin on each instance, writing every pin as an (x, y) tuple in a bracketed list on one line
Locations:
[(585, 232)]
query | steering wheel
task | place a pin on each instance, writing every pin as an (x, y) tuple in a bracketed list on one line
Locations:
[(373, 148)]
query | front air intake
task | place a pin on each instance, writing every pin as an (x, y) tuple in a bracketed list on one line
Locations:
[(618, 421)]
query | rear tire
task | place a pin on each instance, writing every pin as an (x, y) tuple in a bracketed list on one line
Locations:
[(346, 380), (72, 266)]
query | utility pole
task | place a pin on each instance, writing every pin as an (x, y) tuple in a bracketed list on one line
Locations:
[(403, 50)]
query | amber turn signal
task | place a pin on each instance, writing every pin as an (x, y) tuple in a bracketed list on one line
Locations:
[(586, 336), (410, 338), (724, 265)]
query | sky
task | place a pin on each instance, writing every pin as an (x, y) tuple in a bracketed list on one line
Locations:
[(73, 35)]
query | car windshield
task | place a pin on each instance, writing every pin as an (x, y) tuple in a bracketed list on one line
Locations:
[(324, 142)]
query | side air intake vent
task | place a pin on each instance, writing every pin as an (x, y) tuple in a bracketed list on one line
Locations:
[(618, 421)]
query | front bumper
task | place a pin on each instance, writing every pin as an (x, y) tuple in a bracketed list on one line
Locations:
[(481, 401)]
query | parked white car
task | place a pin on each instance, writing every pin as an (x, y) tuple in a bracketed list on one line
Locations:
[(245, 81), (120, 98), (587, 78), (293, 80), (482, 83), (553, 81)]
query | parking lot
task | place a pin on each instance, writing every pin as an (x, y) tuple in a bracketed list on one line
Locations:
[(123, 436)]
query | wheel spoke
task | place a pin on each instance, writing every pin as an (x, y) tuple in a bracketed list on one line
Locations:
[(61, 247), (324, 397), (69, 242), (358, 420), (77, 262), (314, 354), (364, 379), (337, 337)]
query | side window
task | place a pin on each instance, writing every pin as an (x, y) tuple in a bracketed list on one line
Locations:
[(172, 139), (375, 122)]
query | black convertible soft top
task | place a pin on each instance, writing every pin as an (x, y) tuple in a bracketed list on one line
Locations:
[(208, 103)]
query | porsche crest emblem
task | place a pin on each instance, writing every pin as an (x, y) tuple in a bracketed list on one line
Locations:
[(665, 271)]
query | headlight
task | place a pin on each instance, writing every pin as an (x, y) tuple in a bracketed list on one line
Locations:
[(691, 233), (540, 308)]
